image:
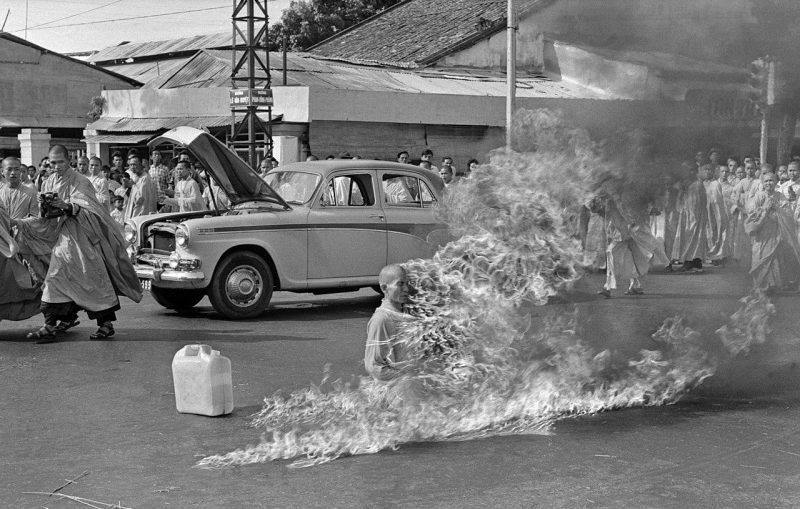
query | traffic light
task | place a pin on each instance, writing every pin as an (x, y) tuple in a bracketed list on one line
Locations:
[(757, 82)]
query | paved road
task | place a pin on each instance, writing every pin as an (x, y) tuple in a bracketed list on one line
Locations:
[(108, 408)]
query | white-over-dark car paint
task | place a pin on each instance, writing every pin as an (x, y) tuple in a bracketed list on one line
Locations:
[(332, 232)]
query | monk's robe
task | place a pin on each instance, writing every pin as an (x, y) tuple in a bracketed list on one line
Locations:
[(100, 184), (89, 264), (187, 197), (19, 294), (19, 202), (690, 233), (742, 242), (717, 225), (631, 249), (143, 197), (596, 242), (776, 252)]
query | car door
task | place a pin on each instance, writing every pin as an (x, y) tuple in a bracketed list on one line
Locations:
[(409, 204), (346, 228)]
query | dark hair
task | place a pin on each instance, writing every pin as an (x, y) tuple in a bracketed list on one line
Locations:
[(133, 153), (427, 152), (45, 158), (472, 161), (116, 153), (330, 156), (155, 151), (401, 153), (447, 157)]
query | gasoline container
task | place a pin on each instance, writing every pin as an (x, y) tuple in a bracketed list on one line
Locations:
[(202, 380)]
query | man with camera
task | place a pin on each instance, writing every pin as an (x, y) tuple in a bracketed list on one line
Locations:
[(89, 267)]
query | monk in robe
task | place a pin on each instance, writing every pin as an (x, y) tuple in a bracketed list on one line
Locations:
[(89, 266), (742, 242), (187, 195), (99, 181), (691, 241), (19, 200), (776, 251), (717, 226), (631, 251), (143, 197), (595, 244), (19, 294)]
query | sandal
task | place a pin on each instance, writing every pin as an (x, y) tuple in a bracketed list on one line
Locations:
[(44, 335), (65, 326), (104, 332), (605, 293)]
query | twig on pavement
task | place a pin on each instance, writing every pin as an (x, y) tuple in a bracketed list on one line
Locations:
[(70, 481), (81, 500)]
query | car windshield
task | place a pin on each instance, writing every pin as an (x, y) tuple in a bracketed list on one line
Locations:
[(295, 187)]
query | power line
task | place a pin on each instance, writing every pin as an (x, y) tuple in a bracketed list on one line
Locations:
[(127, 19), (73, 15)]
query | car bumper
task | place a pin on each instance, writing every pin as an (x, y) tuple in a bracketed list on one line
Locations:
[(169, 278)]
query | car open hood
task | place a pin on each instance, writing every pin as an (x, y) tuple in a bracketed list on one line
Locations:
[(240, 182)]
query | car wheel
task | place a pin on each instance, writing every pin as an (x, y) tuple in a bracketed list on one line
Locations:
[(177, 298), (241, 286)]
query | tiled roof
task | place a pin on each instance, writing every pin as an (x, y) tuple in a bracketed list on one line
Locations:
[(417, 32)]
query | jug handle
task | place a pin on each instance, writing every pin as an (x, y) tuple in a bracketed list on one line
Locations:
[(198, 350)]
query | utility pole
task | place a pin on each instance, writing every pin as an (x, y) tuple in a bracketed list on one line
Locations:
[(245, 97), (511, 69)]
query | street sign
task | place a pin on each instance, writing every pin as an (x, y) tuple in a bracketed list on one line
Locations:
[(250, 97)]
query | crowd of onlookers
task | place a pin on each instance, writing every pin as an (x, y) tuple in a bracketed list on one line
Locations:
[(134, 184), (743, 213)]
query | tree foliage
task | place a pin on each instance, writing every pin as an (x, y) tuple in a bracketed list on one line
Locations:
[(307, 22)]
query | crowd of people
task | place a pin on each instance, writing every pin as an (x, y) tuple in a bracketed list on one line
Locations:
[(743, 214)]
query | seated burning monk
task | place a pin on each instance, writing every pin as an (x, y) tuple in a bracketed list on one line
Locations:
[(385, 357)]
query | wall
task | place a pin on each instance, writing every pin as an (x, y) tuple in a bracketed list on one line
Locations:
[(703, 29), (47, 90)]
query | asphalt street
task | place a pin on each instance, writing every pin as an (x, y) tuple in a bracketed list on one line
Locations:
[(105, 411)]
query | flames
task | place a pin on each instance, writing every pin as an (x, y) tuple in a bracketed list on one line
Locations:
[(483, 366)]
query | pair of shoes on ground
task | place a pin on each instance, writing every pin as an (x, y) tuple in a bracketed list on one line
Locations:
[(48, 334), (605, 293), (634, 291)]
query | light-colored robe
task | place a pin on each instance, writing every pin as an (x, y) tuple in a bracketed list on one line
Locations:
[(631, 250), (19, 202), (187, 196), (100, 183), (742, 248), (690, 233), (717, 225), (142, 200), (776, 252), (19, 295), (89, 264)]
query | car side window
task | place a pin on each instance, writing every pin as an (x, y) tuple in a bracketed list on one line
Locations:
[(427, 198), (401, 190), (348, 191)]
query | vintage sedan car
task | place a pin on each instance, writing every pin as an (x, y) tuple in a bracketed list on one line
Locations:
[(320, 227)]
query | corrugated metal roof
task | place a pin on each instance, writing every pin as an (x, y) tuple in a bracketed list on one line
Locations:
[(148, 71), (211, 68), (117, 138), (135, 50), (128, 124)]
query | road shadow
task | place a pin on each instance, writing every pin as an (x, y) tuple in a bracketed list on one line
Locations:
[(80, 335)]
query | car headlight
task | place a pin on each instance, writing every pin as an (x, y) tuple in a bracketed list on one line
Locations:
[(130, 233), (182, 236)]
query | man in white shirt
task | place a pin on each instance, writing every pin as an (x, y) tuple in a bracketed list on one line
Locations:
[(187, 191)]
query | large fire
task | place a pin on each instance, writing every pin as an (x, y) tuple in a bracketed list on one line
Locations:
[(483, 366)]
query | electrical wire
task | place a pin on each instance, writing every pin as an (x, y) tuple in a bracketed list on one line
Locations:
[(129, 18), (77, 14)]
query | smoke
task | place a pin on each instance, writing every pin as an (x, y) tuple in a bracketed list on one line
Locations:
[(483, 364)]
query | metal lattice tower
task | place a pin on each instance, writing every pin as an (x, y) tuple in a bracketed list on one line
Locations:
[(248, 131)]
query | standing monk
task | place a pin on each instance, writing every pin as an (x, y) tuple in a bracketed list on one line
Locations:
[(776, 253), (691, 242), (143, 198), (89, 266), (99, 181), (19, 200), (717, 228), (742, 243)]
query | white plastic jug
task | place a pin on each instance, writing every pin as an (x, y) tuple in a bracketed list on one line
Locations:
[(202, 379)]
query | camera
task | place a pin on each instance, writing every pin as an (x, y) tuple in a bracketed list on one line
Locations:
[(47, 209)]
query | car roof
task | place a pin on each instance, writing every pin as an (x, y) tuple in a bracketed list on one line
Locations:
[(328, 166)]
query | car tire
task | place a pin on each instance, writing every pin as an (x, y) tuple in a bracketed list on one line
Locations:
[(242, 286), (177, 298)]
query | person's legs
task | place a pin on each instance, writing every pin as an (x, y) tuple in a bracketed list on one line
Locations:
[(105, 322), (65, 312)]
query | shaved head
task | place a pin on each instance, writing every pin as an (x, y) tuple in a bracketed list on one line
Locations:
[(391, 273), (8, 161)]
